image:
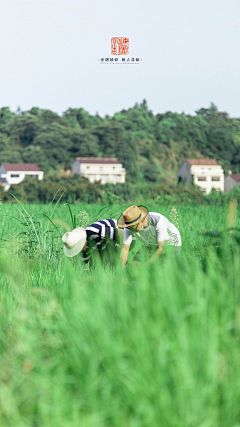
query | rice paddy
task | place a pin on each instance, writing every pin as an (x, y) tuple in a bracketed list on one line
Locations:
[(142, 348)]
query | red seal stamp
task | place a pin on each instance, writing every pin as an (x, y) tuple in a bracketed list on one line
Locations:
[(119, 46)]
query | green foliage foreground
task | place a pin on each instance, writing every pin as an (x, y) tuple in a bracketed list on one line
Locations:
[(150, 347)]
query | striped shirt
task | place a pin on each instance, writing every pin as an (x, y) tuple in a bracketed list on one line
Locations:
[(99, 234)]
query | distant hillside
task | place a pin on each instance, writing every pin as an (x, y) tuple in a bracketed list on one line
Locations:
[(151, 147)]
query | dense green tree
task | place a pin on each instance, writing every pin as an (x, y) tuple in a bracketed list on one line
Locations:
[(109, 135), (33, 152), (5, 116), (11, 156), (138, 118), (5, 142), (114, 140), (83, 144), (150, 173), (55, 142), (78, 117), (48, 117), (23, 129), (150, 147), (165, 130)]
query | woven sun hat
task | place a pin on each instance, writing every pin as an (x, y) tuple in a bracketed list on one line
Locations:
[(74, 241), (132, 216)]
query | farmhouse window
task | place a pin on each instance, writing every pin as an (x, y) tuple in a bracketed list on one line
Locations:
[(202, 178), (215, 178), (13, 175)]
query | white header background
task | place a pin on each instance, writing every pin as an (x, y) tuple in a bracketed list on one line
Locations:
[(49, 54)]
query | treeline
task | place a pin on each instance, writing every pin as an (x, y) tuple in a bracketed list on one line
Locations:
[(151, 147), (77, 189)]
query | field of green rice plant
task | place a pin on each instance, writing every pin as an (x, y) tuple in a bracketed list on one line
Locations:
[(105, 348)]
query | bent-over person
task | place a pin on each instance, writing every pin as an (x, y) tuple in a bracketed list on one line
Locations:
[(102, 241), (153, 229), (99, 240)]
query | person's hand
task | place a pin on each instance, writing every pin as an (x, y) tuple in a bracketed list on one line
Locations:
[(85, 246)]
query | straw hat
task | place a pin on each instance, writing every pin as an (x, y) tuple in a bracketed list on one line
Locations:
[(74, 241), (132, 216)]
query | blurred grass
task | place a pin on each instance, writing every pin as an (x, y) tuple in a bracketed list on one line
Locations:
[(148, 347)]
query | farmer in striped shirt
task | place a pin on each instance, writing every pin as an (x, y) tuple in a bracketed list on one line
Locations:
[(102, 241)]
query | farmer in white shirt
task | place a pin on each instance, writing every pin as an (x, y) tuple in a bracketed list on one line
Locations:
[(152, 228)]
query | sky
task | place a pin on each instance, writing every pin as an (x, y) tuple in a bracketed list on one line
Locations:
[(50, 54)]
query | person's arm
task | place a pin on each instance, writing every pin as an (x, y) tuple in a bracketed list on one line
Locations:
[(127, 240), (120, 237), (158, 253), (124, 255)]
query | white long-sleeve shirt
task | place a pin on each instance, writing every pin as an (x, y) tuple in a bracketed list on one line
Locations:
[(159, 228)]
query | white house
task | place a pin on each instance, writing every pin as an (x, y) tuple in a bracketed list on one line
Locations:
[(104, 169), (205, 173), (13, 173)]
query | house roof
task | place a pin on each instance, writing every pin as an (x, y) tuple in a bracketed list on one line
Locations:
[(203, 162), (236, 177), (100, 160), (21, 167)]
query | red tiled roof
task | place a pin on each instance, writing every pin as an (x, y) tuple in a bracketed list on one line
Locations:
[(21, 167), (100, 160), (203, 162), (236, 177)]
